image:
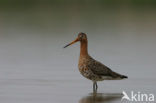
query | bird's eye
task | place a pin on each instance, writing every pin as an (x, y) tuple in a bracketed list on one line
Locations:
[(81, 36)]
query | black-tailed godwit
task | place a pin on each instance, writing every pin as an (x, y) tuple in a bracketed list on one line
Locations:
[(90, 68)]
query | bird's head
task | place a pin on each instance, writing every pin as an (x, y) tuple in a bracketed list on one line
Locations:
[(81, 37)]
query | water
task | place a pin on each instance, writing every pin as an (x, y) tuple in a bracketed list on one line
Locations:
[(34, 68)]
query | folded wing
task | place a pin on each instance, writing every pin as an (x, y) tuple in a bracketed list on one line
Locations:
[(102, 70)]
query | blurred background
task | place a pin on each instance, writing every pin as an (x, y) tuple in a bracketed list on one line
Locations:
[(35, 68)]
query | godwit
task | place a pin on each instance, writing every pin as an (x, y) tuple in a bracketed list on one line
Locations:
[(90, 68)]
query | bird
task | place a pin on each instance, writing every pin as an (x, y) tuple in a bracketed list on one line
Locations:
[(91, 68)]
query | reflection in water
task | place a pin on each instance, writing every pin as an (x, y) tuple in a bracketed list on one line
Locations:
[(101, 98)]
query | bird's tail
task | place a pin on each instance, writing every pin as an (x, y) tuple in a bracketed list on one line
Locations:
[(123, 77), (117, 75)]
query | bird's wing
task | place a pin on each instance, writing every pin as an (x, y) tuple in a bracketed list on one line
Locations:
[(100, 69)]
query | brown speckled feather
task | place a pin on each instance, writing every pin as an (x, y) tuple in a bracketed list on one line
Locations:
[(95, 70), (102, 70)]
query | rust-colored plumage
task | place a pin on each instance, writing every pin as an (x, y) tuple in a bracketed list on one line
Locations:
[(90, 68)]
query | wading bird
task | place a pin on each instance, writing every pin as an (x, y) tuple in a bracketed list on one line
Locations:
[(90, 68)]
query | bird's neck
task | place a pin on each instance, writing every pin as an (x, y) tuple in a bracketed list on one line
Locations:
[(84, 48)]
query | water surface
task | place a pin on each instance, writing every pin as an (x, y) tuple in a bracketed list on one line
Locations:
[(34, 68)]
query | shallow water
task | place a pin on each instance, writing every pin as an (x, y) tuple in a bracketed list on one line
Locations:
[(34, 68)]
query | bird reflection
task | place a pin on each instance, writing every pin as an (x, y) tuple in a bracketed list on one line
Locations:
[(100, 97)]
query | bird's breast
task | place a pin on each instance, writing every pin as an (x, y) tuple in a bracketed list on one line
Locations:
[(83, 64)]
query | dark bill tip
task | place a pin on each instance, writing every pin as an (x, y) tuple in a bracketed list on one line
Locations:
[(66, 46)]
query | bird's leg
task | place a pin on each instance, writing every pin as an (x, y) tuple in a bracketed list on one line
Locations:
[(94, 87)]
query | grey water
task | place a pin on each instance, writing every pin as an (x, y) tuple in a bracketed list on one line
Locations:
[(34, 67)]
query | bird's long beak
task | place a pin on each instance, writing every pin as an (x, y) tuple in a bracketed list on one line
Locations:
[(76, 40)]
